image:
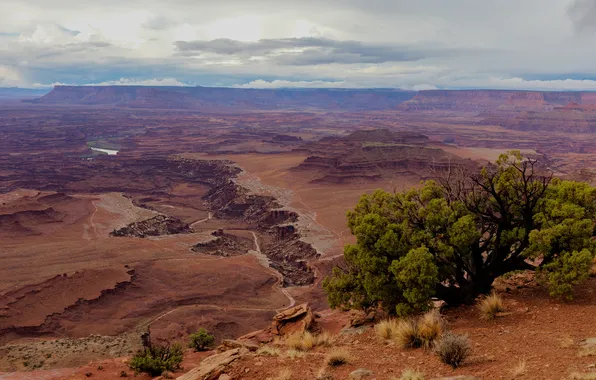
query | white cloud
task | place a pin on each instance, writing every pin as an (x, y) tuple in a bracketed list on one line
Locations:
[(124, 82)]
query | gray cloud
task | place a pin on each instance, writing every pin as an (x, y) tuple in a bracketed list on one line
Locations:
[(583, 15), (315, 51)]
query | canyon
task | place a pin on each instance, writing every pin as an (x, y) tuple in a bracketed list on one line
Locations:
[(222, 206)]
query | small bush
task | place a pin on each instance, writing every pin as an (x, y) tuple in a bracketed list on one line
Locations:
[(157, 359), (386, 329), (490, 306), (429, 328), (337, 357), (201, 340), (582, 376), (453, 349), (410, 374), (406, 334)]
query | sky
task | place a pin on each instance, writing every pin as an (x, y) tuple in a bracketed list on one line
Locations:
[(409, 44)]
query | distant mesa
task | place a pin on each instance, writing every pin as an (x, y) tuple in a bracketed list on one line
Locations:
[(222, 98)]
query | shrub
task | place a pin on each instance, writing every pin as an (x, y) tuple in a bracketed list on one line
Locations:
[(429, 328), (453, 349), (201, 340), (337, 357), (410, 374), (406, 334), (490, 306), (295, 354), (323, 339), (155, 360), (386, 329)]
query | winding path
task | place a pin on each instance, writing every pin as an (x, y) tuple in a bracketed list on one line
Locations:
[(263, 260), (209, 216)]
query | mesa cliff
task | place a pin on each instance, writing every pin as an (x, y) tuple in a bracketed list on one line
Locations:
[(221, 98)]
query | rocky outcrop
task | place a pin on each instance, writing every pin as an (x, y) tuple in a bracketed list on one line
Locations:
[(296, 319), (213, 366), (156, 226)]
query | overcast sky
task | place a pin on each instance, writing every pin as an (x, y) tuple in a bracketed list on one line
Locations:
[(411, 44)]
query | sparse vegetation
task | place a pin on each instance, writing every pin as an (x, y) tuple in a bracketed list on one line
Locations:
[(587, 351), (154, 359), (337, 356), (453, 349), (201, 340), (520, 369), (566, 342), (406, 334), (490, 306), (509, 216)]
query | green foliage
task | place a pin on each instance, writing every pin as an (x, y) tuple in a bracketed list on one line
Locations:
[(416, 275), (201, 340), (452, 238), (157, 359), (567, 271)]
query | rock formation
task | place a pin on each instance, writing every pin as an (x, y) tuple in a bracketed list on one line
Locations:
[(156, 226)]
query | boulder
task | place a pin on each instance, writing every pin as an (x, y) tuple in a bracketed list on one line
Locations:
[(359, 318), (260, 336), (296, 319), (213, 367)]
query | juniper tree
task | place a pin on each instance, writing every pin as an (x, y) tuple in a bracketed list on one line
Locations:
[(453, 237)]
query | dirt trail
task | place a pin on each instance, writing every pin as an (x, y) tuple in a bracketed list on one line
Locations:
[(264, 261), (202, 220)]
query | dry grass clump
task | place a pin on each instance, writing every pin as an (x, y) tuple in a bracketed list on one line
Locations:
[(490, 306), (307, 340), (582, 376), (406, 334), (284, 374), (294, 354), (520, 369), (587, 351), (410, 374), (566, 342), (453, 349), (324, 339), (323, 374), (337, 357), (429, 327), (386, 329), (268, 351)]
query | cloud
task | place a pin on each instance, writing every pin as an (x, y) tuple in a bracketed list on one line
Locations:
[(583, 14), (318, 50)]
